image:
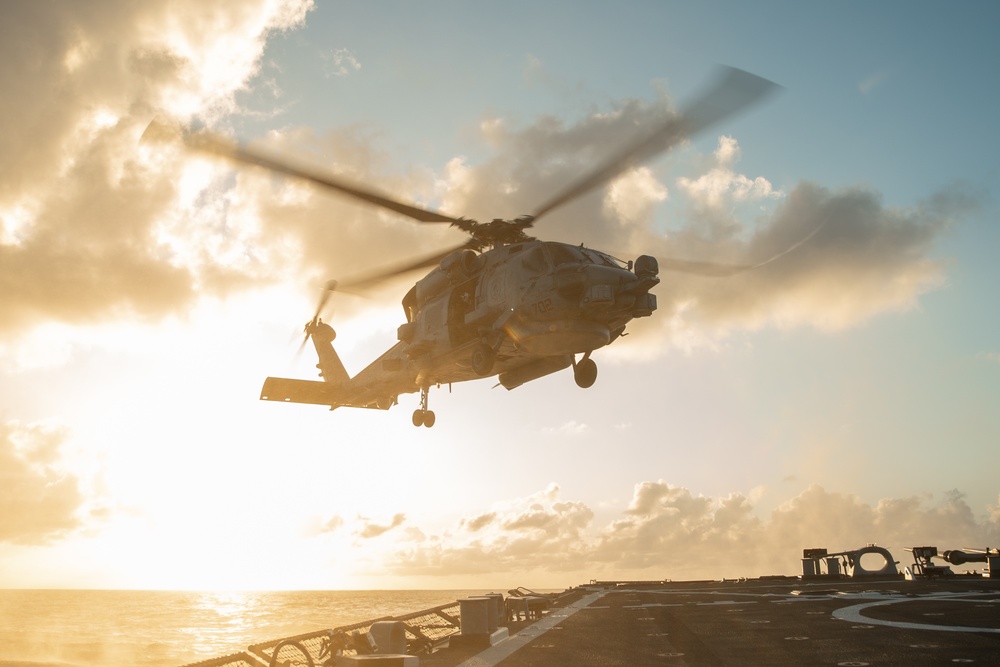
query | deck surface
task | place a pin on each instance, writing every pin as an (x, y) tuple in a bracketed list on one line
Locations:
[(757, 622)]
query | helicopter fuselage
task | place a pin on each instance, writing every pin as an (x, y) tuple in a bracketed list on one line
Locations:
[(519, 311)]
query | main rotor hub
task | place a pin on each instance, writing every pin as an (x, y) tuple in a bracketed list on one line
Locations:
[(498, 232)]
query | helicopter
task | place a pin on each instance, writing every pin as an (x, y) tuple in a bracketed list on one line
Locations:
[(503, 303)]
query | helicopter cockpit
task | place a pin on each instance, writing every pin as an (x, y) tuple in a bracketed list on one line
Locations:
[(562, 253)]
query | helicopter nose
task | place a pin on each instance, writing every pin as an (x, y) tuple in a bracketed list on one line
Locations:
[(618, 290), (606, 286)]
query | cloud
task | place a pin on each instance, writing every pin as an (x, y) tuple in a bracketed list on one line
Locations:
[(369, 529), (721, 185), (38, 503), (478, 522), (340, 62), (84, 207), (331, 525), (668, 531), (865, 259)]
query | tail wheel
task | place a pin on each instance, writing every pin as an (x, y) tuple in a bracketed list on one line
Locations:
[(585, 373), (483, 358)]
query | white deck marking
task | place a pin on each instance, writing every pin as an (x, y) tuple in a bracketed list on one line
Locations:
[(495, 654), (854, 615)]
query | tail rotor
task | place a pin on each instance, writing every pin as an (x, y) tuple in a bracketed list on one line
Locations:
[(315, 325)]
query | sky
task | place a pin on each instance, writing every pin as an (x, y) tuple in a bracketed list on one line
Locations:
[(846, 394)]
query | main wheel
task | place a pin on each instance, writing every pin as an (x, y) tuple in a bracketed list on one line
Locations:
[(429, 418), (585, 373), (482, 359), (418, 417)]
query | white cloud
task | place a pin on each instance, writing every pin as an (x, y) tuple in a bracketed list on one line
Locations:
[(720, 185), (668, 531), (341, 62), (38, 502), (84, 210), (632, 197), (369, 529)]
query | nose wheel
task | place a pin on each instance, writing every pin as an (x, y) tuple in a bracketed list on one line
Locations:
[(422, 416)]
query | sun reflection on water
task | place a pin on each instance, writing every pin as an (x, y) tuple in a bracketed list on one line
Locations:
[(224, 621)]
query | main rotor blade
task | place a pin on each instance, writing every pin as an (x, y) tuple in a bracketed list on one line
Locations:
[(368, 281), (213, 144), (701, 268), (722, 270), (733, 91)]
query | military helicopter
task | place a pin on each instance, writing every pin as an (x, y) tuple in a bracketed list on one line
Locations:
[(503, 303)]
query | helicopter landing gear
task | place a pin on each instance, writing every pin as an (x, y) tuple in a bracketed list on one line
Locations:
[(483, 358), (585, 372), (422, 416)]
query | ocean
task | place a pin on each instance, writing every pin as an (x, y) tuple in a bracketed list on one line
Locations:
[(71, 628)]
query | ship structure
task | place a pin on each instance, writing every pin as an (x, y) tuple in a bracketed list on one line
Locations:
[(848, 608)]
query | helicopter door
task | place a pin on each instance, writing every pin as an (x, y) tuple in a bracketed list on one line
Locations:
[(460, 304)]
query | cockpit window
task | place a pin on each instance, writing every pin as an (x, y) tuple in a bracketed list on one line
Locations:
[(567, 254), (534, 260), (564, 254), (599, 257)]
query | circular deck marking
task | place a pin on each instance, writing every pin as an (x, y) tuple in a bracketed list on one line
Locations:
[(962, 660), (924, 646), (852, 663), (658, 634), (669, 655), (862, 627), (814, 613), (854, 613), (796, 639), (760, 621), (645, 618)]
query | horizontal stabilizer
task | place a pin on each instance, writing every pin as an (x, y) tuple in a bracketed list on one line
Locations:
[(298, 391), (286, 390)]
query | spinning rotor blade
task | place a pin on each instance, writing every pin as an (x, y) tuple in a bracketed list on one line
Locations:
[(368, 281), (701, 268), (358, 285), (722, 270), (213, 144), (323, 299), (733, 91)]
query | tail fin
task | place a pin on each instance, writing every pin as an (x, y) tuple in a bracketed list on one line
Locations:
[(331, 368)]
